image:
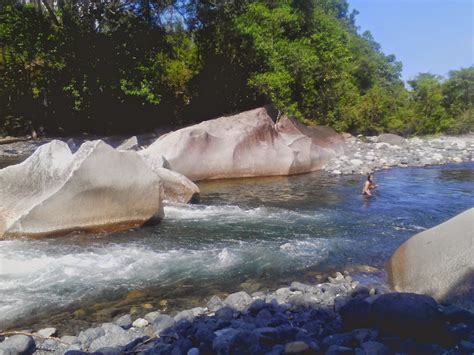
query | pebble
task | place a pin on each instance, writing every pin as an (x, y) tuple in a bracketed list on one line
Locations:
[(140, 323), (47, 332), (367, 154), (336, 317)]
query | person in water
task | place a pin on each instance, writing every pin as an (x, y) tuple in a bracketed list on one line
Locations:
[(368, 185)]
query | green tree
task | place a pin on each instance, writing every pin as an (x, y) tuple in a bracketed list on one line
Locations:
[(427, 100)]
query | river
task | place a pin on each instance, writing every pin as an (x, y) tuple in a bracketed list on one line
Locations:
[(250, 233)]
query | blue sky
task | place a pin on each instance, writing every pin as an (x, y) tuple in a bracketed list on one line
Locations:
[(426, 35)]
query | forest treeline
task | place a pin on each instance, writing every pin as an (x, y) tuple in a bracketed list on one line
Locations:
[(122, 66)]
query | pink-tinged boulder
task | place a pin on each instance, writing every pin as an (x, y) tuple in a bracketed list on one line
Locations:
[(245, 145), (438, 262), (97, 188)]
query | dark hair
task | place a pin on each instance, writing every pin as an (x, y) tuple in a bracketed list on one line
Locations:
[(369, 176)]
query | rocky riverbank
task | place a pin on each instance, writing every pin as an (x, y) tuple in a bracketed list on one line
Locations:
[(336, 317), (367, 154)]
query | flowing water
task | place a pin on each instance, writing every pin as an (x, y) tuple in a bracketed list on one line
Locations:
[(251, 233)]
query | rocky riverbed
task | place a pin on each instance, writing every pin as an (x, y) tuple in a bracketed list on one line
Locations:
[(339, 316), (367, 154)]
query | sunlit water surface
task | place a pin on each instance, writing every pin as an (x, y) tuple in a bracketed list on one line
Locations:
[(259, 232)]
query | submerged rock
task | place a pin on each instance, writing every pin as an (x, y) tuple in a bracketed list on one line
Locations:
[(245, 145), (97, 188), (438, 262)]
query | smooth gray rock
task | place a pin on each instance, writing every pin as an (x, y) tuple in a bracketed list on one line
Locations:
[(189, 314), (151, 317), (89, 335), (238, 301), (114, 337), (47, 332), (124, 321), (18, 344), (438, 262)]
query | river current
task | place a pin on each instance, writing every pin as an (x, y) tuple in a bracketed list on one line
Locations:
[(249, 233)]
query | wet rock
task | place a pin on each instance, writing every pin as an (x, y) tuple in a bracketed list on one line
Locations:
[(238, 301), (18, 344), (124, 321)]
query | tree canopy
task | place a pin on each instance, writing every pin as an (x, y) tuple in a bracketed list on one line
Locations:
[(122, 66)]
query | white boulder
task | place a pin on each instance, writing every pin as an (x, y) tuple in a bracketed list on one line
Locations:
[(177, 187), (97, 188), (245, 145), (129, 144), (438, 262)]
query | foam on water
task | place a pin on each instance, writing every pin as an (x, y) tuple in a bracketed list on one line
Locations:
[(225, 213), (31, 275)]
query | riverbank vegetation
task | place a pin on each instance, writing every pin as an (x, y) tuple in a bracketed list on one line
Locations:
[(123, 66)]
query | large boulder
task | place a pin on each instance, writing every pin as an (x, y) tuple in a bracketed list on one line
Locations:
[(438, 262), (97, 188), (245, 145), (177, 187)]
